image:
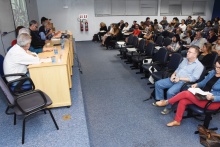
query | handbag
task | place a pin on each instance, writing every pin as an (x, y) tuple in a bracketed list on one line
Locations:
[(208, 138)]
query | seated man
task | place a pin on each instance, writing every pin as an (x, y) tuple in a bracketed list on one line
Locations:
[(19, 57), (189, 70), (36, 42), (198, 41), (136, 31)]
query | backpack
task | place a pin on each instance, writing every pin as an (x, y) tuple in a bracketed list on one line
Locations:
[(95, 37)]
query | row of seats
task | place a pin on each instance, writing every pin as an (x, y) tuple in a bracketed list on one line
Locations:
[(158, 64)]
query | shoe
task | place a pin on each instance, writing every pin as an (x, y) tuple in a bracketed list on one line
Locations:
[(166, 111), (173, 123), (155, 104), (161, 103)]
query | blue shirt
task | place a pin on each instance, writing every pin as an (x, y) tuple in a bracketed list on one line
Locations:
[(189, 70), (215, 88)]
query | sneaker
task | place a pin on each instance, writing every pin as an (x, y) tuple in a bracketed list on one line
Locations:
[(166, 111)]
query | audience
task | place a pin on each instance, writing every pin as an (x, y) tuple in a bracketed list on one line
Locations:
[(186, 39), (189, 20), (182, 25), (216, 47), (210, 83), (174, 46), (102, 30), (212, 37), (189, 70), (205, 56), (136, 31), (126, 28)]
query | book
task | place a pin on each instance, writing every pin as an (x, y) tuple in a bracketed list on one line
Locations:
[(199, 93)]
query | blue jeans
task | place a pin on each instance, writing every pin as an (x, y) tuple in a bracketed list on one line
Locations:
[(173, 89), (36, 50)]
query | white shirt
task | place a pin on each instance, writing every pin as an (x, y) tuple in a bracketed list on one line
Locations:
[(125, 29), (17, 60), (198, 42), (183, 27)]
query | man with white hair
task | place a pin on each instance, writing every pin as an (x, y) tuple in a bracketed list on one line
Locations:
[(36, 50), (19, 57)]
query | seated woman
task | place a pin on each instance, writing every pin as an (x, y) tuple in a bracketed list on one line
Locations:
[(126, 28), (216, 47), (108, 34), (205, 56), (149, 36), (102, 30), (174, 46), (186, 39), (210, 83), (114, 35)]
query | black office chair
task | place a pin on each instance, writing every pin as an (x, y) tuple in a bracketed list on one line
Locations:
[(171, 34), (160, 60), (148, 54), (128, 44), (26, 104), (139, 51), (167, 41), (195, 111), (172, 65), (159, 41), (134, 44), (212, 62)]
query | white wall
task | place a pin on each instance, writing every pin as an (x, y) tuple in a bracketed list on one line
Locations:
[(32, 9), (66, 19)]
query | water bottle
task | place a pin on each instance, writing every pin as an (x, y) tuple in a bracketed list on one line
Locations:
[(62, 41)]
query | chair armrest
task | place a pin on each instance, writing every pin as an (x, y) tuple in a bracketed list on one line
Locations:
[(27, 95), (147, 61), (16, 74), (18, 87), (186, 84)]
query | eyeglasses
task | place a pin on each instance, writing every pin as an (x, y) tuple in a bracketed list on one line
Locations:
[(216, 67), (190, 52)]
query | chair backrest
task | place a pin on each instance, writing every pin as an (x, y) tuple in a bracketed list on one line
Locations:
[(159, 40), (1, 65), (175, 60), (149, 49), (214, 59), (9, 96), (135, 41), (167, 41), (119, 36), (171, 34), (141, 45), (162, 55), (202, 76)]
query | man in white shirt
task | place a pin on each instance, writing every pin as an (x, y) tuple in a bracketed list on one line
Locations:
[(19, 57)]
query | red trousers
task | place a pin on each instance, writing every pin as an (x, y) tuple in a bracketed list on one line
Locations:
[(186, 98)]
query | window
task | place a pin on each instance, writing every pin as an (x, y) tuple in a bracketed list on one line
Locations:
[(125, 7), (182, 7)]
